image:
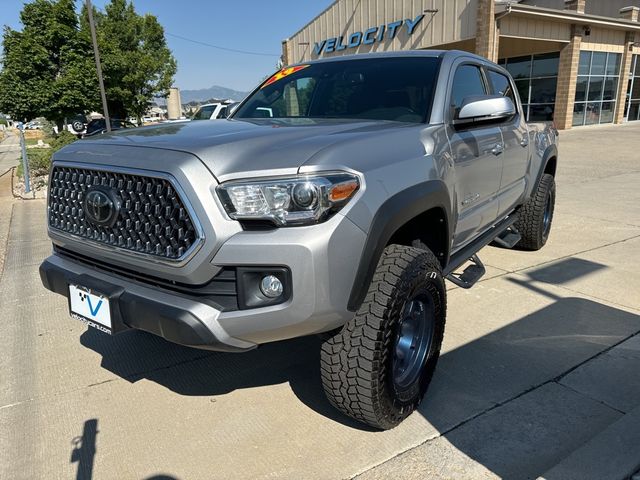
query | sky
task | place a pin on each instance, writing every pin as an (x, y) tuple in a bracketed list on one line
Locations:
[(251, 25)]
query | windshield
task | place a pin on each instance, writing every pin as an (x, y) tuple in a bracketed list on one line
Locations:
[(398, 89)]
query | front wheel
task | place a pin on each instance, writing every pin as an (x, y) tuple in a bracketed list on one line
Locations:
[(535, 216), (378, 367)]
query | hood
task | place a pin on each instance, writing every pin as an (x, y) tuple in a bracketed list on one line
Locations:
[(244, 148)]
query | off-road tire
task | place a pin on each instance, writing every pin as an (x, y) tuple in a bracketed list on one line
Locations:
[(531, 219), (356, 363)]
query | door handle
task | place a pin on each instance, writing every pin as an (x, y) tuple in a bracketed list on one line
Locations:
[(498, 149), (524, 142)]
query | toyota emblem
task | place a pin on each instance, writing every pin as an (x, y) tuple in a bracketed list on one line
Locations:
[(100, 208)]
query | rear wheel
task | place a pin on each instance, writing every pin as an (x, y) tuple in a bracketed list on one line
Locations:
[(535, 217), (378, 367)]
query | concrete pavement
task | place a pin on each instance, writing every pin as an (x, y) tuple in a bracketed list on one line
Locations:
[(9, 156), (9, 152), (538, 361)]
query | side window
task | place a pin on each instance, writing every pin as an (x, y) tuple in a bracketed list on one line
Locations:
[(204, 113), (502, 86), (467, 81)]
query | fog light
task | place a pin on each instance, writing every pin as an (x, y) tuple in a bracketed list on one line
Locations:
[(271, 286)]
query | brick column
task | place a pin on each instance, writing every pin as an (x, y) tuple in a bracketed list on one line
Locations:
[(631, 14), (486, 35), (625, 67), (567, 76), (286, 52), (575, 5)]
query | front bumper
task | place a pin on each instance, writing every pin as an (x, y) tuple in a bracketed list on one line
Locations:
[(177, 319), (322, 260)]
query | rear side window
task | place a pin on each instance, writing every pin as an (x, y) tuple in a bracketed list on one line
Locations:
[(466, 82), (501, 85), (204, 113)]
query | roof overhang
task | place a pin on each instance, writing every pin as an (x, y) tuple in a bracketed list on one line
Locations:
[(565, 16)]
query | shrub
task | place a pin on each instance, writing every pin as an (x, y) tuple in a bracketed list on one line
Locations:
[(40, 158), (65, 137), (39, 162)]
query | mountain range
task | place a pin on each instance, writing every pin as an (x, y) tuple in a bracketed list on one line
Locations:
[(220, 93)]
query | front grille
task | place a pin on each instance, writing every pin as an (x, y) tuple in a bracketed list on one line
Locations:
[(152, 219), (220, 292)]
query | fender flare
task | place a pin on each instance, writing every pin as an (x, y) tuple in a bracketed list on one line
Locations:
[(393, 214), (550, 152)]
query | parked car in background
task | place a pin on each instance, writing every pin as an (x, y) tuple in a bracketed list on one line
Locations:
[(99, 125), (77, 125), (212, 111), (33, 125)]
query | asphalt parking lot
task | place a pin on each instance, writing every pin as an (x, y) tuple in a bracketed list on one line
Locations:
[(538, 375)]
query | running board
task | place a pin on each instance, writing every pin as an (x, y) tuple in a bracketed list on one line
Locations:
[(509, 238), (470, 276), (464, 254)]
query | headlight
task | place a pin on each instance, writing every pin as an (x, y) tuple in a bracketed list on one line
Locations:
[(300, 200)]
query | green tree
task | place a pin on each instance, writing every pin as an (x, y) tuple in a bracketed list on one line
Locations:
[(136, 62), (45, 65), (48, 68)]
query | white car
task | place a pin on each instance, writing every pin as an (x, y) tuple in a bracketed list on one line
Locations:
[(211, 111)]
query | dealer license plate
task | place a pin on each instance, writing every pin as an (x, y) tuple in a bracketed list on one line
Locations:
[(90, 307)]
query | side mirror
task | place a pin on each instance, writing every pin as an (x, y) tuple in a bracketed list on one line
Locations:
[(485, 108)]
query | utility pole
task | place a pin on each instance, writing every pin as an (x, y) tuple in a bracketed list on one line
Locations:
[(92, 27)]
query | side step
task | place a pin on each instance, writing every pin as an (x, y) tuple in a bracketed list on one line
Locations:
[(509, 238), (470, 276)]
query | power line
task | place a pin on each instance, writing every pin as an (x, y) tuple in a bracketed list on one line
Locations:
[(222, 48)]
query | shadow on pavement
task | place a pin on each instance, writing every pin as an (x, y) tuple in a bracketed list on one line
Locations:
[(565, 271), (470, 380), (134, 355), (530, 422), (84, 450)]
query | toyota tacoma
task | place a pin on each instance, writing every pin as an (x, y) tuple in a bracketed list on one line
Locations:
[(372, 180)]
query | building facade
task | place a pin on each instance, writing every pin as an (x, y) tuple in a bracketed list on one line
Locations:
[(576, 62)]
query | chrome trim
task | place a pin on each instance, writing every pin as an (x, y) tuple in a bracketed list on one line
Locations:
[(178, 262)]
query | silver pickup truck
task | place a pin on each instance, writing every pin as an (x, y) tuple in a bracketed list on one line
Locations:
[(372, 180)]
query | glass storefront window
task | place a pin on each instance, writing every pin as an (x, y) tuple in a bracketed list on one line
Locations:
[(545, 65), (609, 91), (606, 112), (541, 113), (536, 79), (596, 88), (634, 111), (585, 63), (578, 114), (543, 90), (523, 90), (635, 89), (598, 62), (519, 67), (581, 89), (613, 65), (592, 114), (632, 105)]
